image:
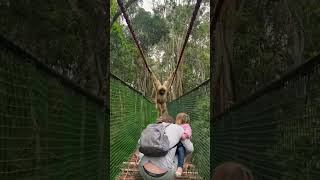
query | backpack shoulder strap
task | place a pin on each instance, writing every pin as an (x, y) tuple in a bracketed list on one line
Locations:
[(167, 125), (174, 146)]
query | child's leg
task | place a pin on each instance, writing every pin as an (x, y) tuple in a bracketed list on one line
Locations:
[(181, 155)]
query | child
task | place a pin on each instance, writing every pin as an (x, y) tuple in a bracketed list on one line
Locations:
[(183, 120)]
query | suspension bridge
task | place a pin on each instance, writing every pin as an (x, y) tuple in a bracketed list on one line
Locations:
[(50, 128), (129, 110)]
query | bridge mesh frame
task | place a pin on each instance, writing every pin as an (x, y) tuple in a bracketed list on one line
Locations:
[(275, 131), (131, 112)]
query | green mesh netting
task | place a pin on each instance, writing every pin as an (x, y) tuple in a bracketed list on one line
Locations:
[(48, 130), (196, 104), (131, 112), (275, 134)]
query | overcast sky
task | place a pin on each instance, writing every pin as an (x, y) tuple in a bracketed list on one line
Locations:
[(147, 5)]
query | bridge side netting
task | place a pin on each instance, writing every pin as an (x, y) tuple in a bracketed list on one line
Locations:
[(48, 128), (131, 112), (196, 104), (276, 132)]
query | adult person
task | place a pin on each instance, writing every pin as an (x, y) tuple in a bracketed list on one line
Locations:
[(232, 171), (164, 167)]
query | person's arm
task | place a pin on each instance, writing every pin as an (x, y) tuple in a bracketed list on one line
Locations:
[(138, 154), (188, 131), (184, 136), (188, 145)]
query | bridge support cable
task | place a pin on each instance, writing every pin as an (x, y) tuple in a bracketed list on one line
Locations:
[(134, 36), (137, 42)]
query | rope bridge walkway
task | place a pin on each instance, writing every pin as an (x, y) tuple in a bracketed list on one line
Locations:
[(130, 170), (131, 112)]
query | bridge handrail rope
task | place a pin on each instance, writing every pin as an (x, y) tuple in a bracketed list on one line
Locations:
[(216, 14), (132, 88), (204, 83), (43, 114), (4, 42), (299, 68), (137, 42)]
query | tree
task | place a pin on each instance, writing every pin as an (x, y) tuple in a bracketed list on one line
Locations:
[(195, 62), (162, 33), (68, 36)]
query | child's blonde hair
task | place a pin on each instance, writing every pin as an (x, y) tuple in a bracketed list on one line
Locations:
[(182, 118)]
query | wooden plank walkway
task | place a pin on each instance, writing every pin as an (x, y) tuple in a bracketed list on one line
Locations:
[(130, 170)]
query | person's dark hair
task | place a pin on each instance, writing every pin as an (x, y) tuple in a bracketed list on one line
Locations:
[(166, 118), (232, 171)]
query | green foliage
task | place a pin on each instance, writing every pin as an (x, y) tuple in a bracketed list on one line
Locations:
[(161, 34), (196, 59), (123, 54), (149, 28), (113, 8), (67, 35), (269, 38)]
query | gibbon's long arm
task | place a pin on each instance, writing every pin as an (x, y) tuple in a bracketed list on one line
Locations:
[(155, 81), (168, 82)]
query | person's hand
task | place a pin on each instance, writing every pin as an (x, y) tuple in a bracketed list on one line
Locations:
[(184, 137), (138, 156)]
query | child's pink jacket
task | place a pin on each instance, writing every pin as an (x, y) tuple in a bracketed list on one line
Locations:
[(187, 131)]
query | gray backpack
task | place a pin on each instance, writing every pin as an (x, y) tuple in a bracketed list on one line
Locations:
[(154, 142)]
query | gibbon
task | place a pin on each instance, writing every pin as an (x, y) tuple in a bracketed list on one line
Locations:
[(161, 94)]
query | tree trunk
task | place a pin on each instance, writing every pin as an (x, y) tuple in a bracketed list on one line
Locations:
[(295, 34), (224, 83)]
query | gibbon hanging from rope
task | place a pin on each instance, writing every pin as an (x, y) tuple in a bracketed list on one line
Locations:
[(162, 90), (161, 94)]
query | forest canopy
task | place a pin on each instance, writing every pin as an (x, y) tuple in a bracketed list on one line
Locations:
[(161, 32), (69, 36)]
